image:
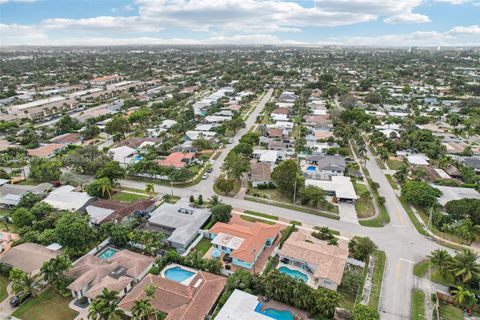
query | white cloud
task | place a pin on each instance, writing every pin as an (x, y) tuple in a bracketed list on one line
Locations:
[(103, 23), (407, 18), (128, 8), (468, 30), (14, 34)]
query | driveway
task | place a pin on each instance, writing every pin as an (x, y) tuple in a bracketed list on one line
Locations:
[(347, 212)]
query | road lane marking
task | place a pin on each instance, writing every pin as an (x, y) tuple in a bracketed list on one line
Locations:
[(398, 268), (406, 260), (398, 225)]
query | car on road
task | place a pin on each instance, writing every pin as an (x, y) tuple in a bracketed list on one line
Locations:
[(20, 298), (209, 170), (230, 140), (205, 176)]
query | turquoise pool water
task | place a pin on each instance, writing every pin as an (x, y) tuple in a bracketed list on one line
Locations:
[(178, 274), (107, 253), (294, 273), (274, 313), (312, 168)]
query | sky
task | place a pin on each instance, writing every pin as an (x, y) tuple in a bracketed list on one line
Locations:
[(278, 22)]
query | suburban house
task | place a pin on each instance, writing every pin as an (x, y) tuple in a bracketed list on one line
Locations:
[(102, 210), (455, 193), (193, 301), (244, 243), (472, 162), (323, 167), (260, 174), (324, 264), (179, 223), (123, 155), (10, 194), (119, 272), (177, 159), (46, 150), (66, 198), (71, 138), (30, 257), (339, 186)]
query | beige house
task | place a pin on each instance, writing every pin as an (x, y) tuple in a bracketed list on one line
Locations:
[(29, 257), (119, 273), (323, 264)]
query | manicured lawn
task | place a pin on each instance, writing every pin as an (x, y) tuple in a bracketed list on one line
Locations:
[(413, 218), (134, 190), (421, 268), (49, 305), (379, 221), (3, 288), (263, 215), (236, 189), (348, 297), (203, 246), (5, 212), (391, 181), (127, 197), (330, 215), (297, 223), (450, 312), (377, 278), (417, 309), (252, 219), (435, 276), (172, 199), (364, 205), (394, 164)]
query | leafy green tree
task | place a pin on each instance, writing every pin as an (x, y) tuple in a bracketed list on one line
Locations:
[(312, 194), (464, 208), (22, 282), (86, 160), (361, 247), (43, 170), (250, 138), (420, 193), (287, 177), (102, 188), (90, 131), (362, 312), (243, 148), (22, 217), (441, 260), (74, 232), (66, 124), (41, 209), (111, 170), (105, 306), (28, 200), (119, 125), (202, 144), (235, 165), (465, 266), (224, 185), (221, 212)]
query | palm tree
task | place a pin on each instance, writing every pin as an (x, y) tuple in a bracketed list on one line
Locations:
[(105, 306), (464, 298), (441, 260), (150, 188), (104, 187), (213, 201), (468, 230), (142, 310), (465, 266), (333, 242)]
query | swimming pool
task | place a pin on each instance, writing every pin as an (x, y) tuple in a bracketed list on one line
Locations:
[(294, 273), (178, 274), (274, 313), (137, 157), (107, 253), (311, 168)]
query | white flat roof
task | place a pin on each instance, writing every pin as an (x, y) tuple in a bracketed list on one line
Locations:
[(226, 240), (455, 193), (240, 306), (341, 185)]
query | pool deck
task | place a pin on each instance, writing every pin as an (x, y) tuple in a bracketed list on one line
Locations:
[(298, 314), (7, 239), (185, 282), (310, 281)]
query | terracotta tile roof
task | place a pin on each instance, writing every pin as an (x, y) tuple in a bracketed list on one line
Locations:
[(254, 237), (275, 132), (175, 159), (327, 261), (91, 270), (121, 209), (67, 138), (281, 110), (317, 118), (180, 302), (45, 150)]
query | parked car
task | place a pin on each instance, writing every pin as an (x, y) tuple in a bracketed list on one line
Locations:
[(20, 298), (209, 170), (205, 176)]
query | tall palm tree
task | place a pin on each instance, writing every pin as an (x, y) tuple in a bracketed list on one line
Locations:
[(441, 260), (465, 266), (150, 188), (213, 201), (142, 310), (105, 306), (464, 298), (105, 187)]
